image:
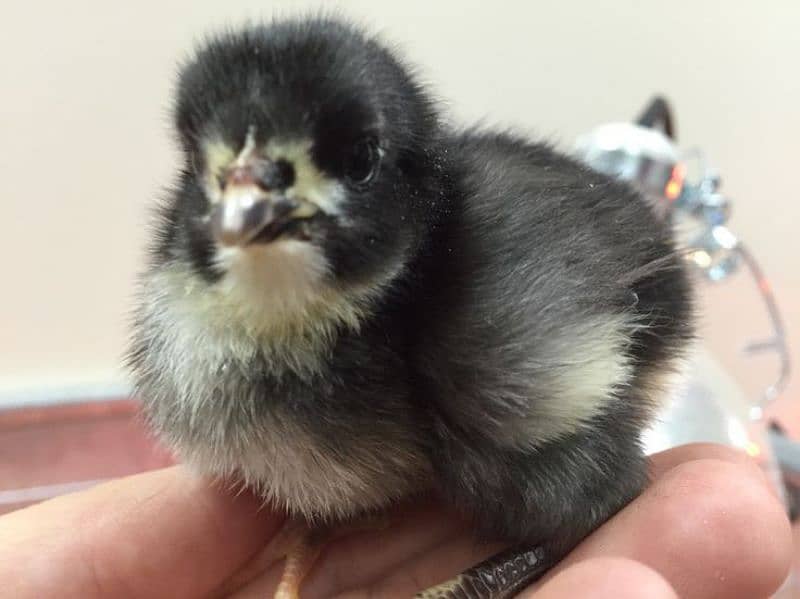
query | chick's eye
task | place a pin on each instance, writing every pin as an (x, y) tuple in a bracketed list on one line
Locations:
[(362, 162)]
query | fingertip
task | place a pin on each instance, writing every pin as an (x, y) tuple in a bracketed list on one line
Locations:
[(716, 521), (605, 578)]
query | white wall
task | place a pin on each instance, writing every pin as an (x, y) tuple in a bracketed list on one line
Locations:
[(85, 91)]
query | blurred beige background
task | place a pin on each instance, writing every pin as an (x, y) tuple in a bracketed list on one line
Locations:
[(85, 145)]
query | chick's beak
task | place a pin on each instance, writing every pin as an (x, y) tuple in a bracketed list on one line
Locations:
[(251, 209)]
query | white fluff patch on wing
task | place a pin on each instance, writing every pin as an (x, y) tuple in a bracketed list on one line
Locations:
[(586, 366)]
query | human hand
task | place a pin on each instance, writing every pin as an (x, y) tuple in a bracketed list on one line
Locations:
[(707, 527)]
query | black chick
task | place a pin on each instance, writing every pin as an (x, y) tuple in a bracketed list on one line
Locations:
[(349, 302)]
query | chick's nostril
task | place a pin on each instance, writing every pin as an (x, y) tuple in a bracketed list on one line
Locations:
[(267, 174), (277, 175)]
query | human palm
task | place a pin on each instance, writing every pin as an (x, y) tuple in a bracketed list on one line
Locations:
[(708, 526)]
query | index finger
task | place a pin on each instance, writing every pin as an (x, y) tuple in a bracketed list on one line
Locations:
[(159, 534)]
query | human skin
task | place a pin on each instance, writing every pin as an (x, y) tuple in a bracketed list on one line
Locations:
[(708, 526)]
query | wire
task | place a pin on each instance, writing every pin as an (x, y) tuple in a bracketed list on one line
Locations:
[(778, 341)]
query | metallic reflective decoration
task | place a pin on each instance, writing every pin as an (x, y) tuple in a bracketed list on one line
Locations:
[(708, 404)]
